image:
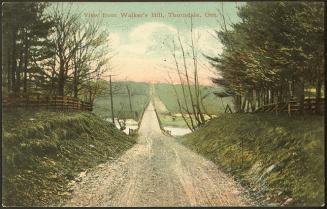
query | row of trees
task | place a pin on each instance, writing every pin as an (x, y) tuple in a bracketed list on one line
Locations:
[(275, 52), (48, 49)]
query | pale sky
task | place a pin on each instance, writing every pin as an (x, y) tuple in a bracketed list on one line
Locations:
[(140, 44)]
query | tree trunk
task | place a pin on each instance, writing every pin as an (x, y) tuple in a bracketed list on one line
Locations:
[(253, 103), (13, 61), (190, 126), (247, 106), (75, 84), (263, 97), (272, 96), (25, 64), (196, 79), (9, 69), (53, 90), (61, 87), (243, 102), (258, 98), (18, 70), (61, 78), (75, 79), (238, 103), (267, 97), (188, 81), (300, 93)]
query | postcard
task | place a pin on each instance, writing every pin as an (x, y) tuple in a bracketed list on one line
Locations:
[(163, 104)]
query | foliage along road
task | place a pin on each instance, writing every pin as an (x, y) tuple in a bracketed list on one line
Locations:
[(157, 171)]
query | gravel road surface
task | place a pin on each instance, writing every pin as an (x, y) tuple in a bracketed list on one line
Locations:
[(157, 171)]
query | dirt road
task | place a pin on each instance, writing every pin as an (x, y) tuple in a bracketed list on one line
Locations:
[(157, 171)]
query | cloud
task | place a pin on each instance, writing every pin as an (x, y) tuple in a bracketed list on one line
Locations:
[(149, 39), (142, 54), (114, 40), (208, 43), (146, 39), (151, 30)]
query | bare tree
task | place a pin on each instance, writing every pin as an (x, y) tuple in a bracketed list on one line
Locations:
[(93, 50), (188, 79), (190, 102), (80, 52), (196, 77), (64, 28), (191, 125), (181, 108), (121, 119)]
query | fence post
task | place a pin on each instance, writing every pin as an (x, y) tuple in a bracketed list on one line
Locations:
[(46, 102), (67, 103)]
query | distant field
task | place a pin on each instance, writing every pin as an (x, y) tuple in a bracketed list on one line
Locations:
[(139, 98), (213, 104)]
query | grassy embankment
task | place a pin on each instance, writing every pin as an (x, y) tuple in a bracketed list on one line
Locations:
[(213, 105), (139, 98), (283, 157), (43, 151)]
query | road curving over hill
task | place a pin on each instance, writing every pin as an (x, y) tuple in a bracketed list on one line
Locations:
[(157, 171)]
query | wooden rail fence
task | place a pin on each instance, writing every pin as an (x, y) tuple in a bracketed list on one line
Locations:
[(45, 101), (293, 106)]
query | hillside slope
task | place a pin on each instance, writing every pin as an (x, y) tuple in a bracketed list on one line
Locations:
[(43, 151), (283, 157), (213, 105), (139, 98)]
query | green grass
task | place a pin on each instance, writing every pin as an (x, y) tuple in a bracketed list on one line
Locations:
[(176, 120), (294, 145), (212, 103), (43, 151), (139, 98), (168, 120)]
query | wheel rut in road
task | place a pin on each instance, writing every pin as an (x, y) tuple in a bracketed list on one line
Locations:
[(157, 171)]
